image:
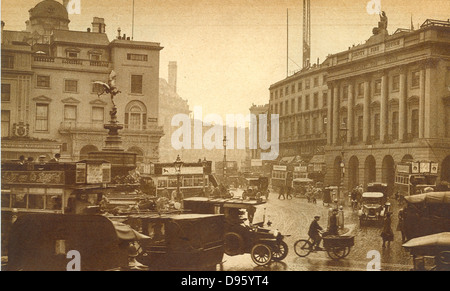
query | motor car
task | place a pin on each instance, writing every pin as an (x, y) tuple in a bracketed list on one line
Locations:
[(372, 207), (256, 189)]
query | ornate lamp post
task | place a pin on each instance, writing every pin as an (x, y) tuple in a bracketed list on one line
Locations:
[(225, 158), (343, 135), (178, 164)]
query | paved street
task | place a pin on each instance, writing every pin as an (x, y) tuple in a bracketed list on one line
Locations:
[(294, 216)]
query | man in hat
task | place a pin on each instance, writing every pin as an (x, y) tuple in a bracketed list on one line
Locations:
[(314, 232)]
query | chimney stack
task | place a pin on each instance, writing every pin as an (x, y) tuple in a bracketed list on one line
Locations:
[(98, 25), (172, 78)]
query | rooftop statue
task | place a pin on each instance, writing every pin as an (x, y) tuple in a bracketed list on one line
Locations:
[(382, 24)]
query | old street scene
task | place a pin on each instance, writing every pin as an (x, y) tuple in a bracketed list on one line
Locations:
[(225, 135)]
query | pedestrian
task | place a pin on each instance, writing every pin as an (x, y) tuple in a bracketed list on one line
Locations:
[(22, 160), (387, 234), (400, 225), (164, 193), (282, 190), (288, 192), (333, 228)]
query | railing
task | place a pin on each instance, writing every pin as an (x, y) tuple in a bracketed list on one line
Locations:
[(70, 61)]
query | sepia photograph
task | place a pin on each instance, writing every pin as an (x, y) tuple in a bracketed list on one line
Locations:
[(225, 135)]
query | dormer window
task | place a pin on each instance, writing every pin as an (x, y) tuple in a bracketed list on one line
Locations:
[(72, 53)]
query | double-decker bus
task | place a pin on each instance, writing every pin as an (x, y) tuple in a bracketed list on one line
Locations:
[(51, 188), (192, 179), (413, 177)]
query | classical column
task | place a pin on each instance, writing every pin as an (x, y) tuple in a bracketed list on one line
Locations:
[(422, 102), (431, 104), (330, 114), (366, 111), (384, 108), (336, 118), (350, 113), (402, 129)]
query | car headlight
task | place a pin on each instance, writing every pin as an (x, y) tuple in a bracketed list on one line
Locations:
[(276, 232)]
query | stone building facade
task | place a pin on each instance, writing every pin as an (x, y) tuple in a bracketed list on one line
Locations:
[(50, 103)]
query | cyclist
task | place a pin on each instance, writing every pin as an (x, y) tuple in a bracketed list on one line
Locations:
[(315, 233)]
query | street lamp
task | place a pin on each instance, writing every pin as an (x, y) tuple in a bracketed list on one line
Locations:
[(225, 159), (178, 164), (343, 135)]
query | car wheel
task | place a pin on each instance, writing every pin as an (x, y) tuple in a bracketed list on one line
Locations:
[(261, 254)]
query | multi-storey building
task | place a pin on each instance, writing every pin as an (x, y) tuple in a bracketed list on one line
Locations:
[(300, 101), (389, 100), (50, 103)]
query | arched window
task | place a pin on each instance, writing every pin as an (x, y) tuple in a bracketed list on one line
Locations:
[(136, 116)]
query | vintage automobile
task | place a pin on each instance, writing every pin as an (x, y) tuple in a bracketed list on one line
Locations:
[(179, 241), (426, 214), (379, 187), (300, 186), (43, 242), (256, 188), (372, 207), (241, 234), (430, 252)]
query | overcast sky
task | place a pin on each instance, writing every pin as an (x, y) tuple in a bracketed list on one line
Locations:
[(230, 51)]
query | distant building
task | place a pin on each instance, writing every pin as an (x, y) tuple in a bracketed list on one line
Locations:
[(170, 104), (49, 101)]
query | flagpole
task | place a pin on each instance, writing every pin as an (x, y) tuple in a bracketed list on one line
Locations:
[(132, 25)]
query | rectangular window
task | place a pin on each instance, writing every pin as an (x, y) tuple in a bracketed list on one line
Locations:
[(72, 55), (286, 91), (271, 95), (378, 86), (299, 127), (396, 83), (307, 84), (307, 102), (376, 125), (299, 105), (7, 62), (137, 57), (316, 81), (325, 99), (71, 86), (6, 121), (97, 88), (70, 113), (395, 125), (345, 92), (43, 81), (95, 57), (292, 89), (136, 84), (306, 125), (415, 79), (281, 108), (281, 92), (360, 128), (98, 114), (6, 92), (41, 117), (276, 94), (299, 86), (361, 89), (314, 129), (286, 109), (415, 123), (276, 109), (316, 100), (292, 105)]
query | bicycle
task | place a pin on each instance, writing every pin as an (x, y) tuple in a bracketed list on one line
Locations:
[(337, 247)]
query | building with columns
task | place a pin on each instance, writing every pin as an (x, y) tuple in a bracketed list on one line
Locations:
[(50, 103), (389, 100)]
